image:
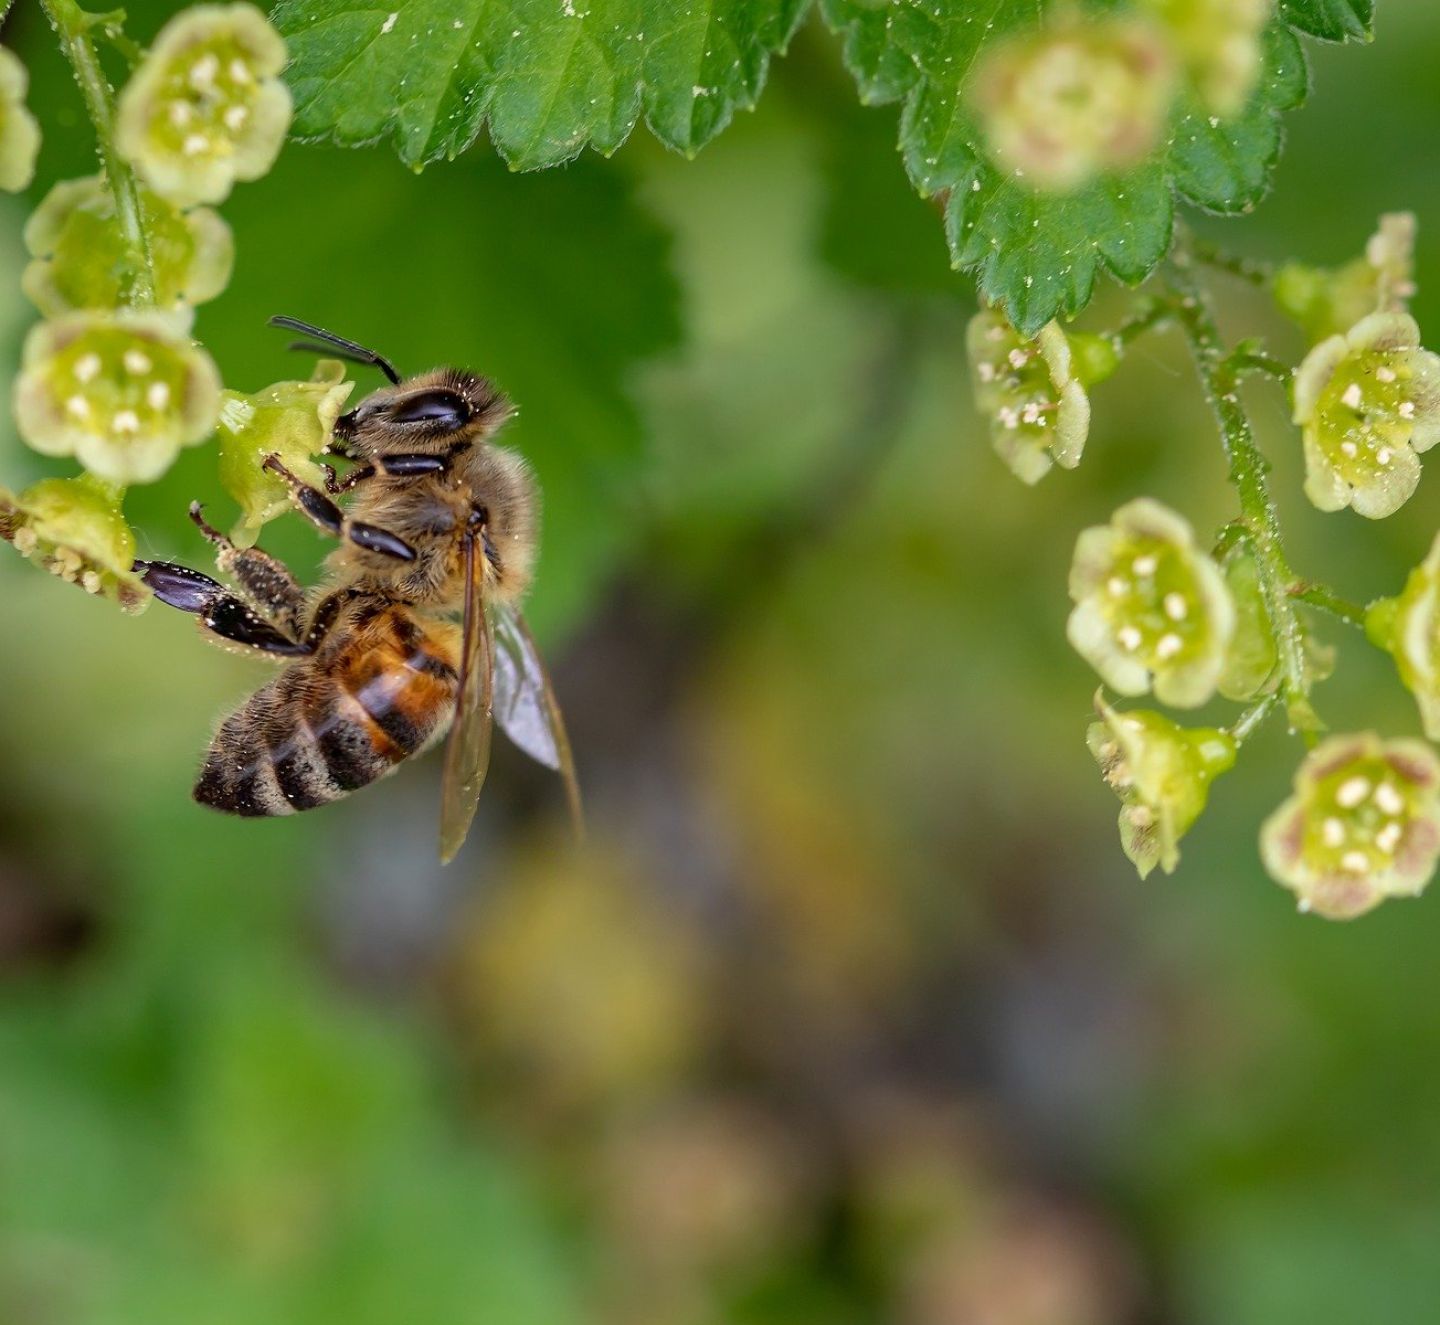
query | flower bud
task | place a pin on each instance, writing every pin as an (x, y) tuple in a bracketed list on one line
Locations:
[(1162, 774), (1367, 402), (19, 133), (1329, 301), (207, 107), (1063, 104), (1039, 412), (79, 259), (121, 392), (290, 419), (73, 527), (1219, 44), (1363, 825), (1408, 628), (1151, 609)]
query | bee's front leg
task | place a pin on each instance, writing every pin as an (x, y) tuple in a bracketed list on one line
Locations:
[(325, 514)]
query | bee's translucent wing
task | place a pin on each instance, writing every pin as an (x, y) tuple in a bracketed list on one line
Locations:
[(524, 703), (467, 752)]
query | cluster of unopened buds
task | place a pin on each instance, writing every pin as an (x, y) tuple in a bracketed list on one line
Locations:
[(1155, 612), (112, 376)]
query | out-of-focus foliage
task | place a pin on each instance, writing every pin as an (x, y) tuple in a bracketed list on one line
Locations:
[(1035, 251), (853, 1012), (546, 79), (1056, 136)]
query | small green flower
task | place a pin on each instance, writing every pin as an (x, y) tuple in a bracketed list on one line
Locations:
[(19, 134), (1363, 825), (1151, 609), (80, 260), (74, 528), (1034, 391), (290, 419), (1218, 42), (1367, 402), (1329, 301), (207, 107), (122, 392), (1063, 104), (1162, 774), (1408, 628)]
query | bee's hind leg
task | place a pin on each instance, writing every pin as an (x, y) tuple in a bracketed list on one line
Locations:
[(224, 615), (265, 580)]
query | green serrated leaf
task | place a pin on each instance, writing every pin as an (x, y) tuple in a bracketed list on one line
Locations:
[(1038, 253), (548, 77), (1224, 165), (1331, 20)]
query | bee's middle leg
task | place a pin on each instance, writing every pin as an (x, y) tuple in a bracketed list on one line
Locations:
[(265, 580), (326, 515)]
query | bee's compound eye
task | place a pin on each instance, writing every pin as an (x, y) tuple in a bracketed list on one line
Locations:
[(444, 408)]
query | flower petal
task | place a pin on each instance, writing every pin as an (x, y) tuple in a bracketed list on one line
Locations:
[(1390, 489), (1314, 374), (1090, 634)]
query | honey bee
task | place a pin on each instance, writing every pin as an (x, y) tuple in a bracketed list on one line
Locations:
[(439, 523)]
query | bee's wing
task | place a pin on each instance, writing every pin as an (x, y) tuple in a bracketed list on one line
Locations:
[(467, 752), (525, 705)]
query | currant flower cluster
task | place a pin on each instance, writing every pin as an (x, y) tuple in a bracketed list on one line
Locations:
[(1156, 611), (112, 375), (1080, 97)]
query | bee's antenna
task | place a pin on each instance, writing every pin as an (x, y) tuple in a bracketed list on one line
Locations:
[(346, 349)]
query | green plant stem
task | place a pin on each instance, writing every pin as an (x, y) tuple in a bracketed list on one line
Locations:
[(1151, 314), (73, 27), (111, 26), (1253, 362), (1245, 725), (1248, 475), (1245, 269), (1329, 602)]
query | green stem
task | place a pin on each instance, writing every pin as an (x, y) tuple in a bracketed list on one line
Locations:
[(1153, 313), (1233, 264), (73, 26), (1248, 471), (1244, 726), (1254, 362), (1326, 600), (111, 26)]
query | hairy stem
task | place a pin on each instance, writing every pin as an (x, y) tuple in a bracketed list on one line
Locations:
[(1152, 314), (1245, 725), (1248, 476), (73, 27), (1252, 361), (1233, 264), (111, 26), (1326, 600)]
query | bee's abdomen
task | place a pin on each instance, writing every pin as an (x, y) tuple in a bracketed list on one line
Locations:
[(314, 735)]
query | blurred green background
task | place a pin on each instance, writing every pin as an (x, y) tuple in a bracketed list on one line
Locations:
[(852, 1010)]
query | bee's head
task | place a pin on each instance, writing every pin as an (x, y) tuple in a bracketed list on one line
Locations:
[(422, 415)]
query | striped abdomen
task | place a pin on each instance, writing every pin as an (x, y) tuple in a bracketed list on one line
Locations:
[(374, 695)]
